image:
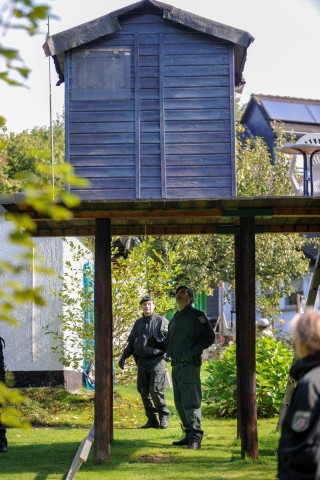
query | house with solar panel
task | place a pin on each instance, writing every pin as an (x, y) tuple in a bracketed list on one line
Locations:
[(299, 117)]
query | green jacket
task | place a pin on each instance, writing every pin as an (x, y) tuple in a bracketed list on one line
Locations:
[(189, 333)]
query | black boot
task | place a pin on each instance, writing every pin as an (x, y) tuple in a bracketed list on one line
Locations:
[(3, 442), (152, 423), (184, 441), (195, 440), (164, 421)]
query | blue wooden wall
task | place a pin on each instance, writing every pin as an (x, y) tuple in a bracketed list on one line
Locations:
[(259, 125), (155, 120)]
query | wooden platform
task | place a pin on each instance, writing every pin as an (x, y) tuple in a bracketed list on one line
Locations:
[(184, 217)]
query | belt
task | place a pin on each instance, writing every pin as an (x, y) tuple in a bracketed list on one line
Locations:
[(181, 360), (161, 354)]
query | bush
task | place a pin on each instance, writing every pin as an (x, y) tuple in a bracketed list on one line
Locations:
[(273, 361), (10, 380)]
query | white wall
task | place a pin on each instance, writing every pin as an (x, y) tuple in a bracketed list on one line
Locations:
[(28, 347)]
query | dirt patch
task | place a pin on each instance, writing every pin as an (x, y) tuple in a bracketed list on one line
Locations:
[(164, 458)]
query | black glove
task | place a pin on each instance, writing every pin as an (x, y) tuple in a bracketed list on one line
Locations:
[(153, 342), (122, 362)]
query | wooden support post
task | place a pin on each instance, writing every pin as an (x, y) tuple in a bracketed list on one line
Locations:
[(246, 337), (237, 302), (103, 343)]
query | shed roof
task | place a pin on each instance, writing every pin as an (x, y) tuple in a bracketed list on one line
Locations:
[(56, 45)]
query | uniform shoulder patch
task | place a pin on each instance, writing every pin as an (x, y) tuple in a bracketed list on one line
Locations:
[(300, 421), (202, 319)]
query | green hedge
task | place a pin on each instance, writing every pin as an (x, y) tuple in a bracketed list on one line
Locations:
[(273, 361)]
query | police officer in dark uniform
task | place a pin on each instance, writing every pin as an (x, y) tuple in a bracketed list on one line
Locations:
[(299, 445), (189, 334), (3, 438), (151, 363)]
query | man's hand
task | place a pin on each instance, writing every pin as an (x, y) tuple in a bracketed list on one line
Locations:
[(122, 362)]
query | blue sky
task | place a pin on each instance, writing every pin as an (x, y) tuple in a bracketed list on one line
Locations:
[(283, 60)]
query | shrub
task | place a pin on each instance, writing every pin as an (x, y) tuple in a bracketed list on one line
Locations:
[(10, 380), (273, 361)]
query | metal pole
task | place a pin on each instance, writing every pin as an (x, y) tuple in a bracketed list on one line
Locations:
[(51, 124)]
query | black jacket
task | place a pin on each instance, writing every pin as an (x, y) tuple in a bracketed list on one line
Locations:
[(299, 446), (142, 330)]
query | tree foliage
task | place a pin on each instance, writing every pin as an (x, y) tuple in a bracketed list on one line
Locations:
[(26, 157), (257, 175)]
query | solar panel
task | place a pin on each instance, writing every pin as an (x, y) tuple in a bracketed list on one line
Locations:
[(292, 112), (315, 112)]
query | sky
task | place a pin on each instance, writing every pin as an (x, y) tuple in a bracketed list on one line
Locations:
[(284, 58)]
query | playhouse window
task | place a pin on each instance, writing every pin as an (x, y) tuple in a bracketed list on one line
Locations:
[(100, 74)]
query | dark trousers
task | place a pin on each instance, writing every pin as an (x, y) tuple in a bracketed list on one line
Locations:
[(151, 384), (187, 396)]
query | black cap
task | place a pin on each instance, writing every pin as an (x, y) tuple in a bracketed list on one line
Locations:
[(190, 292), (147, 298)]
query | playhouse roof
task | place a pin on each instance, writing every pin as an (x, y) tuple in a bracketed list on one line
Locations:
[(56, 45)]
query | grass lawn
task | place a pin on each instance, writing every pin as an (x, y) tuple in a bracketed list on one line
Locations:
[(61, 421)]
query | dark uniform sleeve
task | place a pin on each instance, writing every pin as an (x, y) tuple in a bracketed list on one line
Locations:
[(128, 351), (299, 453), (164, 328)]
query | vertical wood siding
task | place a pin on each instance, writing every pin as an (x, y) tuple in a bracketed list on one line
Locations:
[(173, 136), (260, 127)]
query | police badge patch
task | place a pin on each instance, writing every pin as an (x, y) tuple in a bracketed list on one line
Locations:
[(202, 319), (300, 421)]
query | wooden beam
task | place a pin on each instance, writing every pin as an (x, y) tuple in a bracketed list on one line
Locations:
[(147, 213), (103, 343), (174, 229), (296, 212), (246, 338)]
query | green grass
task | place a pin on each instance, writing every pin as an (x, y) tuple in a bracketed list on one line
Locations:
[(45, 452)]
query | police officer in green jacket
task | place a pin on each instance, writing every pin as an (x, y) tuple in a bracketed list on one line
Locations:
[(189, 333)]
